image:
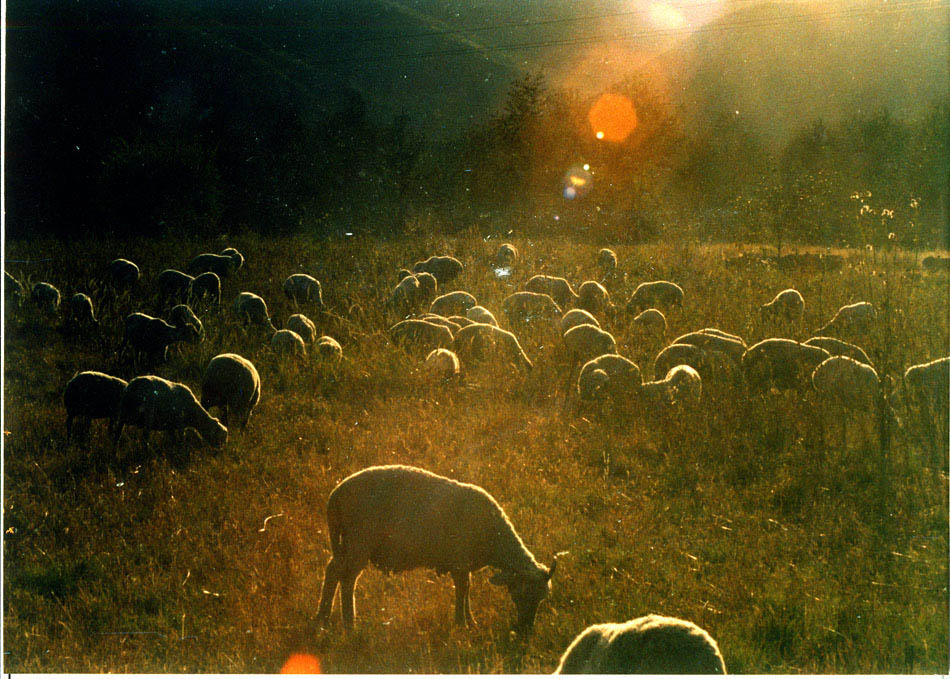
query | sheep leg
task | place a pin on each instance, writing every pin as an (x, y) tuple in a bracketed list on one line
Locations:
[(331, 581), (347, 599), (463, 611)]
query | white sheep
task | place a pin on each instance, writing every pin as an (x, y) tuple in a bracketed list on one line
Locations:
[(653, 644), (303, 326), (480, 314), (155, 404), (418, 335), (481, 342), (576, 317), (505, 255), (328, 350), (80, 310), (442, 364), (453, 303), (152, 336), (174, 285), (610, 375), (650, 323), (781, 363), (123, 273), (92, 395), (46, 297), (838, 347), (656, 294), (531, 309), (593, 297), (852, 318), (222, 265), (586, 341), (208, 285), (252, 309), (399, 518), (301, 287), (559, 289), (231, 383), (444, 268), (287, 342)]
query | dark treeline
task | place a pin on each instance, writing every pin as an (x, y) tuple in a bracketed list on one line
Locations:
[(143, 119)]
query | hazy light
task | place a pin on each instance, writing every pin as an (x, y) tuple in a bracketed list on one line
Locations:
[(577, 182), (665, 16), (586, 167), (612, 117), (301, 663)]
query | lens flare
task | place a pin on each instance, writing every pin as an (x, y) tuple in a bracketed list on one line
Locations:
[(577, 181), (612, 117), (301, 663)]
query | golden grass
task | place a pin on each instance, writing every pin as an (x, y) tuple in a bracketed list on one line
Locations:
[(748, 517)]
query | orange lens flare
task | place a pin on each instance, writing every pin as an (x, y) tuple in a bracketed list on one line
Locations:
[(301, 663), (612, 117)]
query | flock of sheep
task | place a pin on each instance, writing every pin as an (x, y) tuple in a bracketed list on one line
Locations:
[(399, 517)]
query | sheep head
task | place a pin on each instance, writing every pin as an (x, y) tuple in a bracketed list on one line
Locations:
[(527, 589)]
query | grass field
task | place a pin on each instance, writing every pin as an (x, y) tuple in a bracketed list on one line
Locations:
[(749, 517)]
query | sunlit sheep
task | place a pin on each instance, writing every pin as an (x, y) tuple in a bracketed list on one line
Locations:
[(453, 303), (559, 289), (231, 383), (480, 342)]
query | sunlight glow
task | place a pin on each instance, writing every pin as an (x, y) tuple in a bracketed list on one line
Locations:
[(301, 663), (666, 17), (612, 117)]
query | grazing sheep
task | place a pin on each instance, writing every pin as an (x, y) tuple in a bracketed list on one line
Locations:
[(182, 316), (428, 287), (174, 285), (679, 354), (576, 317), (480, 314), (399, 518), (781, 363), (928, 386), (452, 304), (222, 265), (253, 309), (787, 306), (460, 321), (607, 261), (13, 291), (530, 308), (559, 289), (656, 294), (445, 269), (481, 342), (712, 339), (851, 318), (421, 336), (405, 296), (402, 273), (236, 257), (123, 273), (653, 644), (207, 285), (442, 320), (584, 342), (46, 297), (91, 396), (153, 403), (303, 326), (847, 382), (651, 323), (442, 364), (303, 288), (593, 297), (231, 383), (80, 310), (610, 375), (685, 383), (287, 342), (505, 255), (328, 350), (152, 336), (837, 347)]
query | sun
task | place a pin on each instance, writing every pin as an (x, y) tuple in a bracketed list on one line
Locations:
[(612, 117)]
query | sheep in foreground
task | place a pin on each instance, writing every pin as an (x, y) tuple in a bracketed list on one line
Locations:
[(46, 297), (837, 347), (593, 297), (152, 336), (851, 319), (530, 309), (610, 375), (399, 518), (445, 269), (303, 326), (155, 404), (442, 364), (92, 395), (288, 343), (781, 363), (182, 317), (207, 285), (328, 350), (422, 336), (222, 265), (656, 294), (237, 258), (231, 383), (173, 286), (480, 342), (452, 303), (505, 255), (606, 261), (584, 342), (576, 317), (123, 273), (559, 289), (650, 323), (653, 644), (303, 288), (787, 306), (847, 382), (480, 314), (252, 309), (80, 311)]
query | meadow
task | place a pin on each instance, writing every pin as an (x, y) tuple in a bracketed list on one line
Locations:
[(799, 549)]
